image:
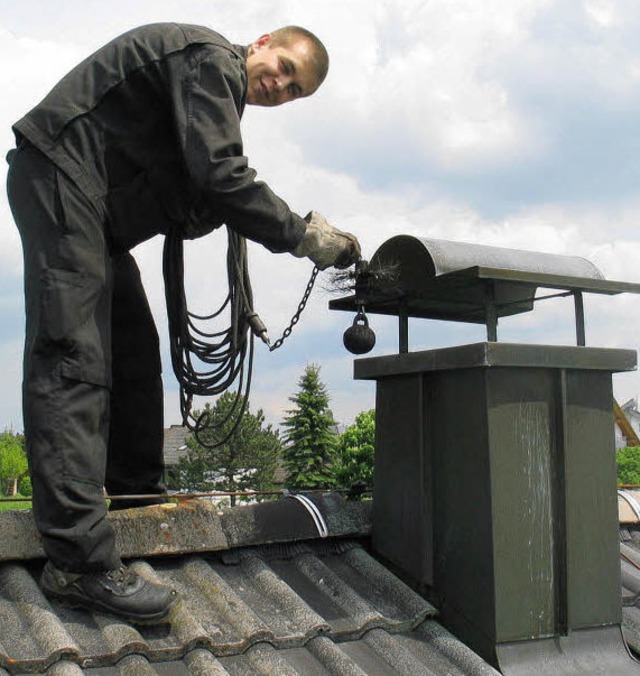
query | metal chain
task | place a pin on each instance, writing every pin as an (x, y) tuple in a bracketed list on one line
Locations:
[(296, 317)]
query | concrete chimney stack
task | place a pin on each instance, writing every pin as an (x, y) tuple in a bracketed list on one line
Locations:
[(495, 478)]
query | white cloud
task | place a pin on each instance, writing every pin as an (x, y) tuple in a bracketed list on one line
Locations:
[(419, 79), (24, 81), (10, 385), (503, 123)]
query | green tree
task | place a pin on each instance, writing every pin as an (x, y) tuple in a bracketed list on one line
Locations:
[(356, 448), (13, 462), (310, 437), (246, 461), (628, 461)]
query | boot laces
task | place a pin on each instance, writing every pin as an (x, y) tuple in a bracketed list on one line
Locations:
[(122, 576)]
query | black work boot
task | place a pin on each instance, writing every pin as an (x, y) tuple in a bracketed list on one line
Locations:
[(119, 592)]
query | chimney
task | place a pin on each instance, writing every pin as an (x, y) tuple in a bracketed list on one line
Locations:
[(495, 478)]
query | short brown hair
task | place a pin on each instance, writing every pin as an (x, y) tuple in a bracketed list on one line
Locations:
[(319, 56)]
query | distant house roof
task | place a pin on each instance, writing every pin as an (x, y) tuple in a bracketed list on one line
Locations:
[(630, 409), (263, 594), (175, 438), (280, 475)]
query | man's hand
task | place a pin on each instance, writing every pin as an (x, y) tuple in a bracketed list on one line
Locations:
[(327, 246)]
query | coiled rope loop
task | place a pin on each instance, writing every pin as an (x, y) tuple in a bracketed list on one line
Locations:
[(209, 363), (206, 363)]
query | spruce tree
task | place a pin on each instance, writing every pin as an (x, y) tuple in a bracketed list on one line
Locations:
[(310, 439)]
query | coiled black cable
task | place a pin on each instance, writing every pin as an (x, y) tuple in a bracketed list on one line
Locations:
[(209, 363)]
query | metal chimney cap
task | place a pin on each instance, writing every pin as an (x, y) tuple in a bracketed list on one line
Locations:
[(458, 281), (442, 256)]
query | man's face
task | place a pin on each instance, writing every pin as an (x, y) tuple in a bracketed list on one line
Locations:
[(277, 74)]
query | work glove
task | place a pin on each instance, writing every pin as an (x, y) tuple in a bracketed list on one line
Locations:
[(327, 246)]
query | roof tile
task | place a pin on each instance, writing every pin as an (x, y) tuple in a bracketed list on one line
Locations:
[(630, 577), (295, 606), (254, 606)]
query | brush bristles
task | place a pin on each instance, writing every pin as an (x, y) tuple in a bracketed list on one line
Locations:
[(373, 278)]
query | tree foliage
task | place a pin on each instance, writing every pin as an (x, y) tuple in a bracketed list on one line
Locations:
[(628, 461), (310, 437), (247, 461), (13, 461), (356, 447)]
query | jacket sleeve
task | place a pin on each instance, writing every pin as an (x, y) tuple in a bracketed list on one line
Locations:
[(208, 101)]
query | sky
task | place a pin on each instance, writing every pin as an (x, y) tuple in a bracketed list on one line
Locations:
[(511, 123)]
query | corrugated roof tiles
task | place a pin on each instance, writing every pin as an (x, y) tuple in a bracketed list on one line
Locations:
[(630, 578), (265, 596), (288, 605), (316, 608)]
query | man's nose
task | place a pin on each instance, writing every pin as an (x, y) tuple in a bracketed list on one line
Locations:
[(281, 82)]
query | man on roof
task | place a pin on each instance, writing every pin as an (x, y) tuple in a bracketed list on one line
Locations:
[(141, 138)]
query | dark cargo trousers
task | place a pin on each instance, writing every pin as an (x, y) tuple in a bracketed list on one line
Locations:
[(92, 390)]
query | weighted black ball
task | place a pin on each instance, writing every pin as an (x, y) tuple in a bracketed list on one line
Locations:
[(359, 338)]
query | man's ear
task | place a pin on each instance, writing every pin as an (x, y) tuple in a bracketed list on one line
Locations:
[(263, 42)]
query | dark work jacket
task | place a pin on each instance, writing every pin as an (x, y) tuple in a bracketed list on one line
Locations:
[(148, 127)]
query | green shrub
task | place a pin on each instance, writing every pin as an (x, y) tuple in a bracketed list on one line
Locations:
[(628, 461), (356, 450), (24, 487)]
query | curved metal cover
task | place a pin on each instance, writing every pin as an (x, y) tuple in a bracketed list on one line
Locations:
[(431, 281), (434, 257)]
